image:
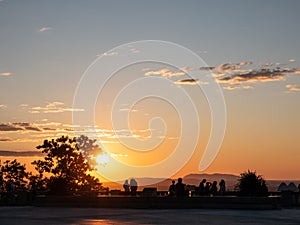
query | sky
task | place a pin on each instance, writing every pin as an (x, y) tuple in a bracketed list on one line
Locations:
[(251, 49)]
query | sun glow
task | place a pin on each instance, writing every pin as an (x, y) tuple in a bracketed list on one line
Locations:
[(102, 159)]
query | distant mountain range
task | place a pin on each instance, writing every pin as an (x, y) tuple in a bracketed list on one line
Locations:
[(162, 184)]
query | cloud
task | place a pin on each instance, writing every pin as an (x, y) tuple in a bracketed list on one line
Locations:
[(262, 75), (20, 126), (165, 73), (3, 106), (247, 87), (9, 127), (296, 71), (108, 54), (187, 81), (207, 68), (6, 139), (128, 110), (237, 71), (292, 87), (134, 50), (23, 105), (292, 60), (108, 134), (20, 153), (245, 63), (233, 87), (53, 107), (233, 74), (6, 74), (43, 29)]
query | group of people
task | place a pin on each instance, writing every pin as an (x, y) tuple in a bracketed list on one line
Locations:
[(205, 188), (208, 188), (130, 187)]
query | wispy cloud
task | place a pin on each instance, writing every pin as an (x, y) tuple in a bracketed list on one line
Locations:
[(165, 73), (43, 29), (292, 87), (20, 126), (6, 74), (3, 106), (233, 87), (134, 50), (108, 54), (53, 107), (6, 139), (23, 105)]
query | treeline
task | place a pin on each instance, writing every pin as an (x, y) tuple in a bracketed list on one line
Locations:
[(65, 169)]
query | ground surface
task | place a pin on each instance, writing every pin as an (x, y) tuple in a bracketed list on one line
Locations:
[(38, 215)]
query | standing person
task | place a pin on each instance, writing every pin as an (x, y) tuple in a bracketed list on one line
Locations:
[(172, 189), (179, 188), (214, 188), (222, 187), (207, 188), (126, 187), (133, 187), (202, 187)]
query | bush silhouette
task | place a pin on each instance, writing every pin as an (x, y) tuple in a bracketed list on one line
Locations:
[(251, 184)]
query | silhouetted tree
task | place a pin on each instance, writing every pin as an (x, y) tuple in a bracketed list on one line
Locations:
[(251, 184), (88, 148), (14, 172), (69, 170)]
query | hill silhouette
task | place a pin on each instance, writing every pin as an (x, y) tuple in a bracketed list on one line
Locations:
[(163, 184)]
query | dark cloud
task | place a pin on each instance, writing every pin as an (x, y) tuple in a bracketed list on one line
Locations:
[(207, 68), (187, 81), (49, 129), (19, 127), (5, 139), (9, 127), (262, 75), (20, 153)]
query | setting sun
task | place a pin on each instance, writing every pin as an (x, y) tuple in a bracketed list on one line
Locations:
[(102, 159)]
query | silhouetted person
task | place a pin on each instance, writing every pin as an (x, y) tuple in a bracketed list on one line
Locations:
[(126, 187), (179, 188), (214, 188), (202, 187), (222, 187), (172, 189), (133, 187), (207, 188)]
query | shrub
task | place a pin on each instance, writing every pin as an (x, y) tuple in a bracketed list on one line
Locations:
[(251, 184)]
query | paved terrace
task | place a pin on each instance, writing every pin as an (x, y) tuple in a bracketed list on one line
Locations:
[(93, 216)]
